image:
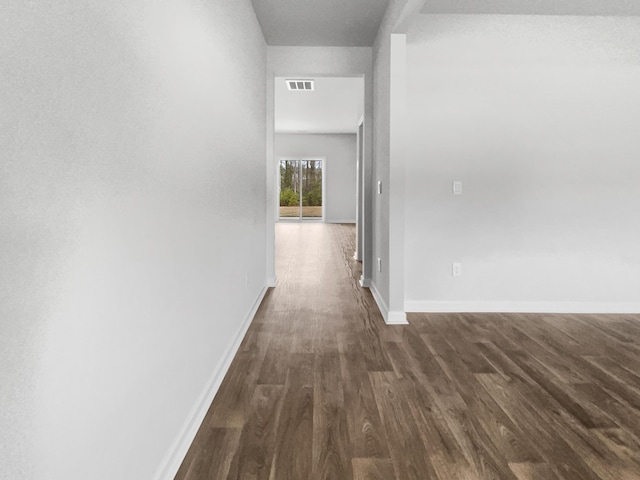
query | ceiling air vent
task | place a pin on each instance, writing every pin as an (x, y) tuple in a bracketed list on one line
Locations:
[(299, 85)]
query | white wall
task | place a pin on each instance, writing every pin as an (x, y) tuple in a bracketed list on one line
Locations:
[(389, 70), (539, 118), (339, 151), (317, 62), (333, 106), (132, 190), (381, 161)]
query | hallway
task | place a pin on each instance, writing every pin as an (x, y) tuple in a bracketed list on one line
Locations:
[(300, 378), (322, 389)]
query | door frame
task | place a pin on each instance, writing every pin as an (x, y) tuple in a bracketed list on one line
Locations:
[(360, 199), (286, 65)]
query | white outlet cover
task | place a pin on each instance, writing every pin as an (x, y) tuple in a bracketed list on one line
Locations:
[(456, 269), (457, 187)]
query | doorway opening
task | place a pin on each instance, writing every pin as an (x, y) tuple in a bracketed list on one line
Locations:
[(301, 189), (314, 158)]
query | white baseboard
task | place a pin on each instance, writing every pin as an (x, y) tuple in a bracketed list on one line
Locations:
[(272, 282), (396, 318), (390, 318), (382, 306), (175, 455), (351, 220), (365, 282), (432, 306)]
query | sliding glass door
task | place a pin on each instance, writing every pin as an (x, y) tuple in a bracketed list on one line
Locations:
[(301, 189)]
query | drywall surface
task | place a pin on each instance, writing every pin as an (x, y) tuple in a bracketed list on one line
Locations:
[(388, 152), (132, 225), (314, 62), (339, 152), (333, 106), (381, 154), (539, 119)]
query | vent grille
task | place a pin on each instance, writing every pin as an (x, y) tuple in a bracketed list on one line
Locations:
[(300, 85)]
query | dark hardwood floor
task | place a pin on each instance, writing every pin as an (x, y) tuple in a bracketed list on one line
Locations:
[(322, 389)]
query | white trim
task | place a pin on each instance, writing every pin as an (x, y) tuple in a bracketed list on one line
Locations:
[(390, 318), (364, 282), (432, 306), (317, 132), (272, 282), (340, 221), (397, 318), (175, 455), (382, 306)]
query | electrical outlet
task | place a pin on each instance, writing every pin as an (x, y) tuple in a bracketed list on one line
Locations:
[(456, 269), (379, 187), (457, 187), (379, 265)]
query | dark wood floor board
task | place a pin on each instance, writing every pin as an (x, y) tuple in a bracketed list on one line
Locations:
[(372, 469), (517, 402), (503, 364), (462, 333), (491, 426), (539, 348), (483, 456), (591, 372), (445, 453), (533, 471), (430, 410), (592, 342), (293, 445), (255, 451), (365, 426), (553, 387), (236, 391), (212, 456), (630, 323), (407, 451), (617, 342), (612, 327), (321, 388), (594, 452), (276, 362), (372, 345), (416, 354), (623, 392), (557, 339), (331, 457), (624, 445), (625, 382), (426, 322), (406, 366), (556, 334), (622, 373), (625, 416), (331, 443)]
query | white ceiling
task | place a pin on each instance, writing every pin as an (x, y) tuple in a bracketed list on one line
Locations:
[(333, 107), (320, 22), (534, 7)]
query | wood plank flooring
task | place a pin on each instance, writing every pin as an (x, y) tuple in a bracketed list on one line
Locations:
[(322, 389)]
